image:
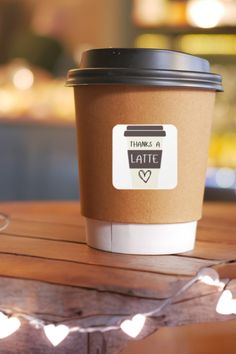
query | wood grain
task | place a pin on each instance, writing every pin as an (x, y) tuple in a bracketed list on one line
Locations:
[(52, 235), (46, 268)]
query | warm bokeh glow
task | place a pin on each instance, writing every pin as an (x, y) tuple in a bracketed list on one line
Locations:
[(23, 79), (205, 13), (207, 44), (149, 12), (7, 101), (149, 40)]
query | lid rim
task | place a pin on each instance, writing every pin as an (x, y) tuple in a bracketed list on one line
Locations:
[(145, 77)]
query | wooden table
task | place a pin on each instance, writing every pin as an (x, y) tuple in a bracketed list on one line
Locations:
[(47, 270)]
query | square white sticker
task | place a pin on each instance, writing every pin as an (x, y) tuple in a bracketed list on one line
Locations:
[(144, 156)]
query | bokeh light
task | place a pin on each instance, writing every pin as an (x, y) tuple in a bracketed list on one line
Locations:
[(205, 13), (23, 79), (225, 178)]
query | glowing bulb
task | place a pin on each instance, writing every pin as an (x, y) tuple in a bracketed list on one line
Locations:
[(210, 276), (134, 326), (23, 79), (209, 281), (8, 325), (205, 13), (226, 305), (56, 334)]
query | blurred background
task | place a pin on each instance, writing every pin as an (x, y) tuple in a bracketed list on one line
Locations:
[(41, 40)]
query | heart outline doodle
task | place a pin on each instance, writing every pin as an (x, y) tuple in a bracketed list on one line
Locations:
[(144, 175)]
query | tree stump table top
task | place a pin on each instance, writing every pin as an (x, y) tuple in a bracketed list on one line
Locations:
[(48, 271)]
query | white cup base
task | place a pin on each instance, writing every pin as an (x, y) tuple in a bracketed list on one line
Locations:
[(141, 238)]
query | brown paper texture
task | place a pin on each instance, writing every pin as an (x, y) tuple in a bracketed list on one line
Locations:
[(99, 108)]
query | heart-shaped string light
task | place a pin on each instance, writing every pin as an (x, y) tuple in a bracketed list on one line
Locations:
[(134, 326), (226, 304), (210, 276), (56, 334), (8, 325)]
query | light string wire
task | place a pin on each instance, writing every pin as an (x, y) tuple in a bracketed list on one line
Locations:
[(131, 324), (169, 300), (41, 324)]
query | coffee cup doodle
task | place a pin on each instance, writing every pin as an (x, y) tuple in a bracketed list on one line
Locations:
[(144, 156)]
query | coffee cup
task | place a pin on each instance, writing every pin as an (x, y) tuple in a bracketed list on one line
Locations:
[(143, 124)]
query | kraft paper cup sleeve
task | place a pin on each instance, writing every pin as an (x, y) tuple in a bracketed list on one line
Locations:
[(99, 109)]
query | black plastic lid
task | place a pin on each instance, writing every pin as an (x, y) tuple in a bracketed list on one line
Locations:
[(149, 67)]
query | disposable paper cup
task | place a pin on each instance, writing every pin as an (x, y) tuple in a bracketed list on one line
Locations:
[(143, 124)]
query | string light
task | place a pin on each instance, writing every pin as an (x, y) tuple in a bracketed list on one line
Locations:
[(226, 304), (8, 325), (56, 334), (132, 325), (210, 276)]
